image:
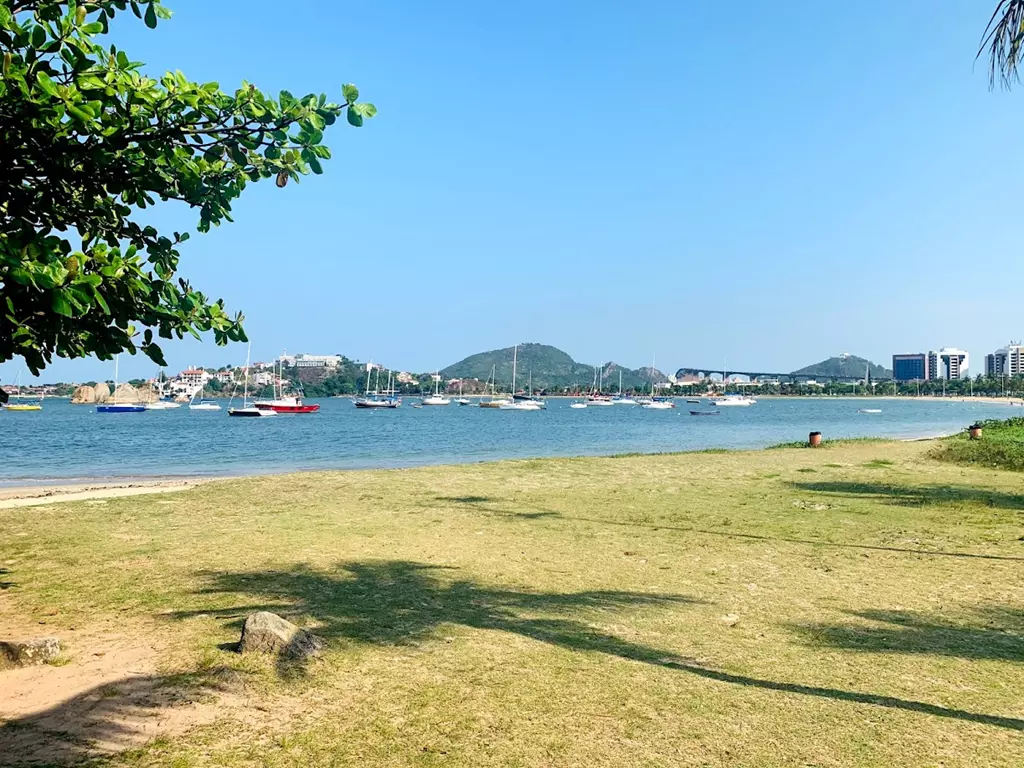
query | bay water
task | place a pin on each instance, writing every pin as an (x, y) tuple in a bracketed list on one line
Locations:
[(72, 443)]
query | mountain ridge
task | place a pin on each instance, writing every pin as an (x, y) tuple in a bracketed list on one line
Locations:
[(550, 367)]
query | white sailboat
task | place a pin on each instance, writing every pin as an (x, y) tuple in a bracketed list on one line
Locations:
[(621, 399), (494, 402), (437, 398), (518, 405), (654, 404), (247, 409), (202, 405), (461, 400)]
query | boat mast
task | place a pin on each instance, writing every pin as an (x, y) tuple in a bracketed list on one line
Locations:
[(245, 387), (515, 353), (117, 359)]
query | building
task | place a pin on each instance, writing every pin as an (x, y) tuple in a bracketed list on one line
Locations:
[(911, 367), (948, 363), (1008, 361), (317, 361)]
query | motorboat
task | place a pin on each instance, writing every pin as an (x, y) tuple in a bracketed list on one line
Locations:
[(162, 405), (578, 405), (286, 404), (659, 405), (600, 400), (463, 401), (704, 413), (869, 410), (204, 405), (732, 400)]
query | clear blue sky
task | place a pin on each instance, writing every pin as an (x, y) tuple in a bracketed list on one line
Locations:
[(771, 183)]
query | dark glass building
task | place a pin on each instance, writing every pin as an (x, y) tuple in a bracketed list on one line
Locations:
[(910, 367)]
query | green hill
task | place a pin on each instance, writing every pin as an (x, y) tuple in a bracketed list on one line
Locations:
[(551, 369), (844, 367)]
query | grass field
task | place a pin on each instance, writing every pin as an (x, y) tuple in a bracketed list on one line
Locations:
[(861, 604), (1002, 446)]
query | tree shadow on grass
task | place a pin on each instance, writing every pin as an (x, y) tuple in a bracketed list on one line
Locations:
[(996, 634), (109, 718), (486, 504), (4, 584), (399, 602), (916, 495)]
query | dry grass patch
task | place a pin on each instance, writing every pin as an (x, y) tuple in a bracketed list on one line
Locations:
[(703, 609)]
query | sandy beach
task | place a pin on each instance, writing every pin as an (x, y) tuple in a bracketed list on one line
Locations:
[(27, 496)]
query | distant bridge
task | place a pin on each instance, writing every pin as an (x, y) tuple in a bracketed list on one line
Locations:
[(759, 375)]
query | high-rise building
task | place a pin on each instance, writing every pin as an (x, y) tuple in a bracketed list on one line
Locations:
[(910, 367), (1008, 361), (948, 363)]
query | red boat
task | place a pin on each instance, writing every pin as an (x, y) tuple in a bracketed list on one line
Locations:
[(286, 405)]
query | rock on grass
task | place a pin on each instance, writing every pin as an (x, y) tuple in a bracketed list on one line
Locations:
[(266, 632)]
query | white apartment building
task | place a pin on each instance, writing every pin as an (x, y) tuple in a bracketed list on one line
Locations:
[(1008, 361), (948, 363)]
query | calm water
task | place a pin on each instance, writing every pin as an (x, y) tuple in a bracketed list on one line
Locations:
[(66, 442)]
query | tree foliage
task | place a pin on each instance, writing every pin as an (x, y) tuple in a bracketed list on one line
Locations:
[(1002, 41), (88, 142)]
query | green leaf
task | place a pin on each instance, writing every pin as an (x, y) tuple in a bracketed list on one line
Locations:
[(47, 84), (365, 109), (38, 36), (151, 16), (60, 304), (93, 28), (353, 117), (6, 17), (350, 92)]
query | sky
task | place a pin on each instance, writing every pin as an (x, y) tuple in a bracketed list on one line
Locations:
[(767, 184)]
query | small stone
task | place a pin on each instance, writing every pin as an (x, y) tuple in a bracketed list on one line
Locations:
[(730, 619), (25, 653), (266, 632)]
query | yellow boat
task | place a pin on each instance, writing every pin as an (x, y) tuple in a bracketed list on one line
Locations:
[(23, 407)]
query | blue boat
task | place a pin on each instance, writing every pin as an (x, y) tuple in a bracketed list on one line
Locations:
[(122, 408), (116, 407)]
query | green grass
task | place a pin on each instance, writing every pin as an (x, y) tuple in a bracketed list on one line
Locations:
[(1001, 445), (696, 609)]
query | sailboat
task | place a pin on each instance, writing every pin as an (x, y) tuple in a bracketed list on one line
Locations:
[(518, 405), (31, 405), (461, 400), (374, 399), (657, 403), (247, 409), (596, 397), (528, 395), (437, 398), (202, 405), (160, 404), (116, 407), (493, 402), (621, 399)]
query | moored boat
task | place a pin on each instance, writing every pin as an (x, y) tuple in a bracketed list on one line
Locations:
[(116, 407), (248, 410)]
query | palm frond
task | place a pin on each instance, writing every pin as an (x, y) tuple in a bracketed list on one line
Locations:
[(1003, 39)]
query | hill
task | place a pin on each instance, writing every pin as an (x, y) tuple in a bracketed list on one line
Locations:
[(844, 366), (551, 368)]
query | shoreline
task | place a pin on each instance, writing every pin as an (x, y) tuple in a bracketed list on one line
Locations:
[(54, 491)]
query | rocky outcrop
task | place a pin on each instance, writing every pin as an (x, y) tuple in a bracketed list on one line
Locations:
[(102, 392), (125, 393), (87, 395), (266, 632), (147, 394), (26, 653)]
